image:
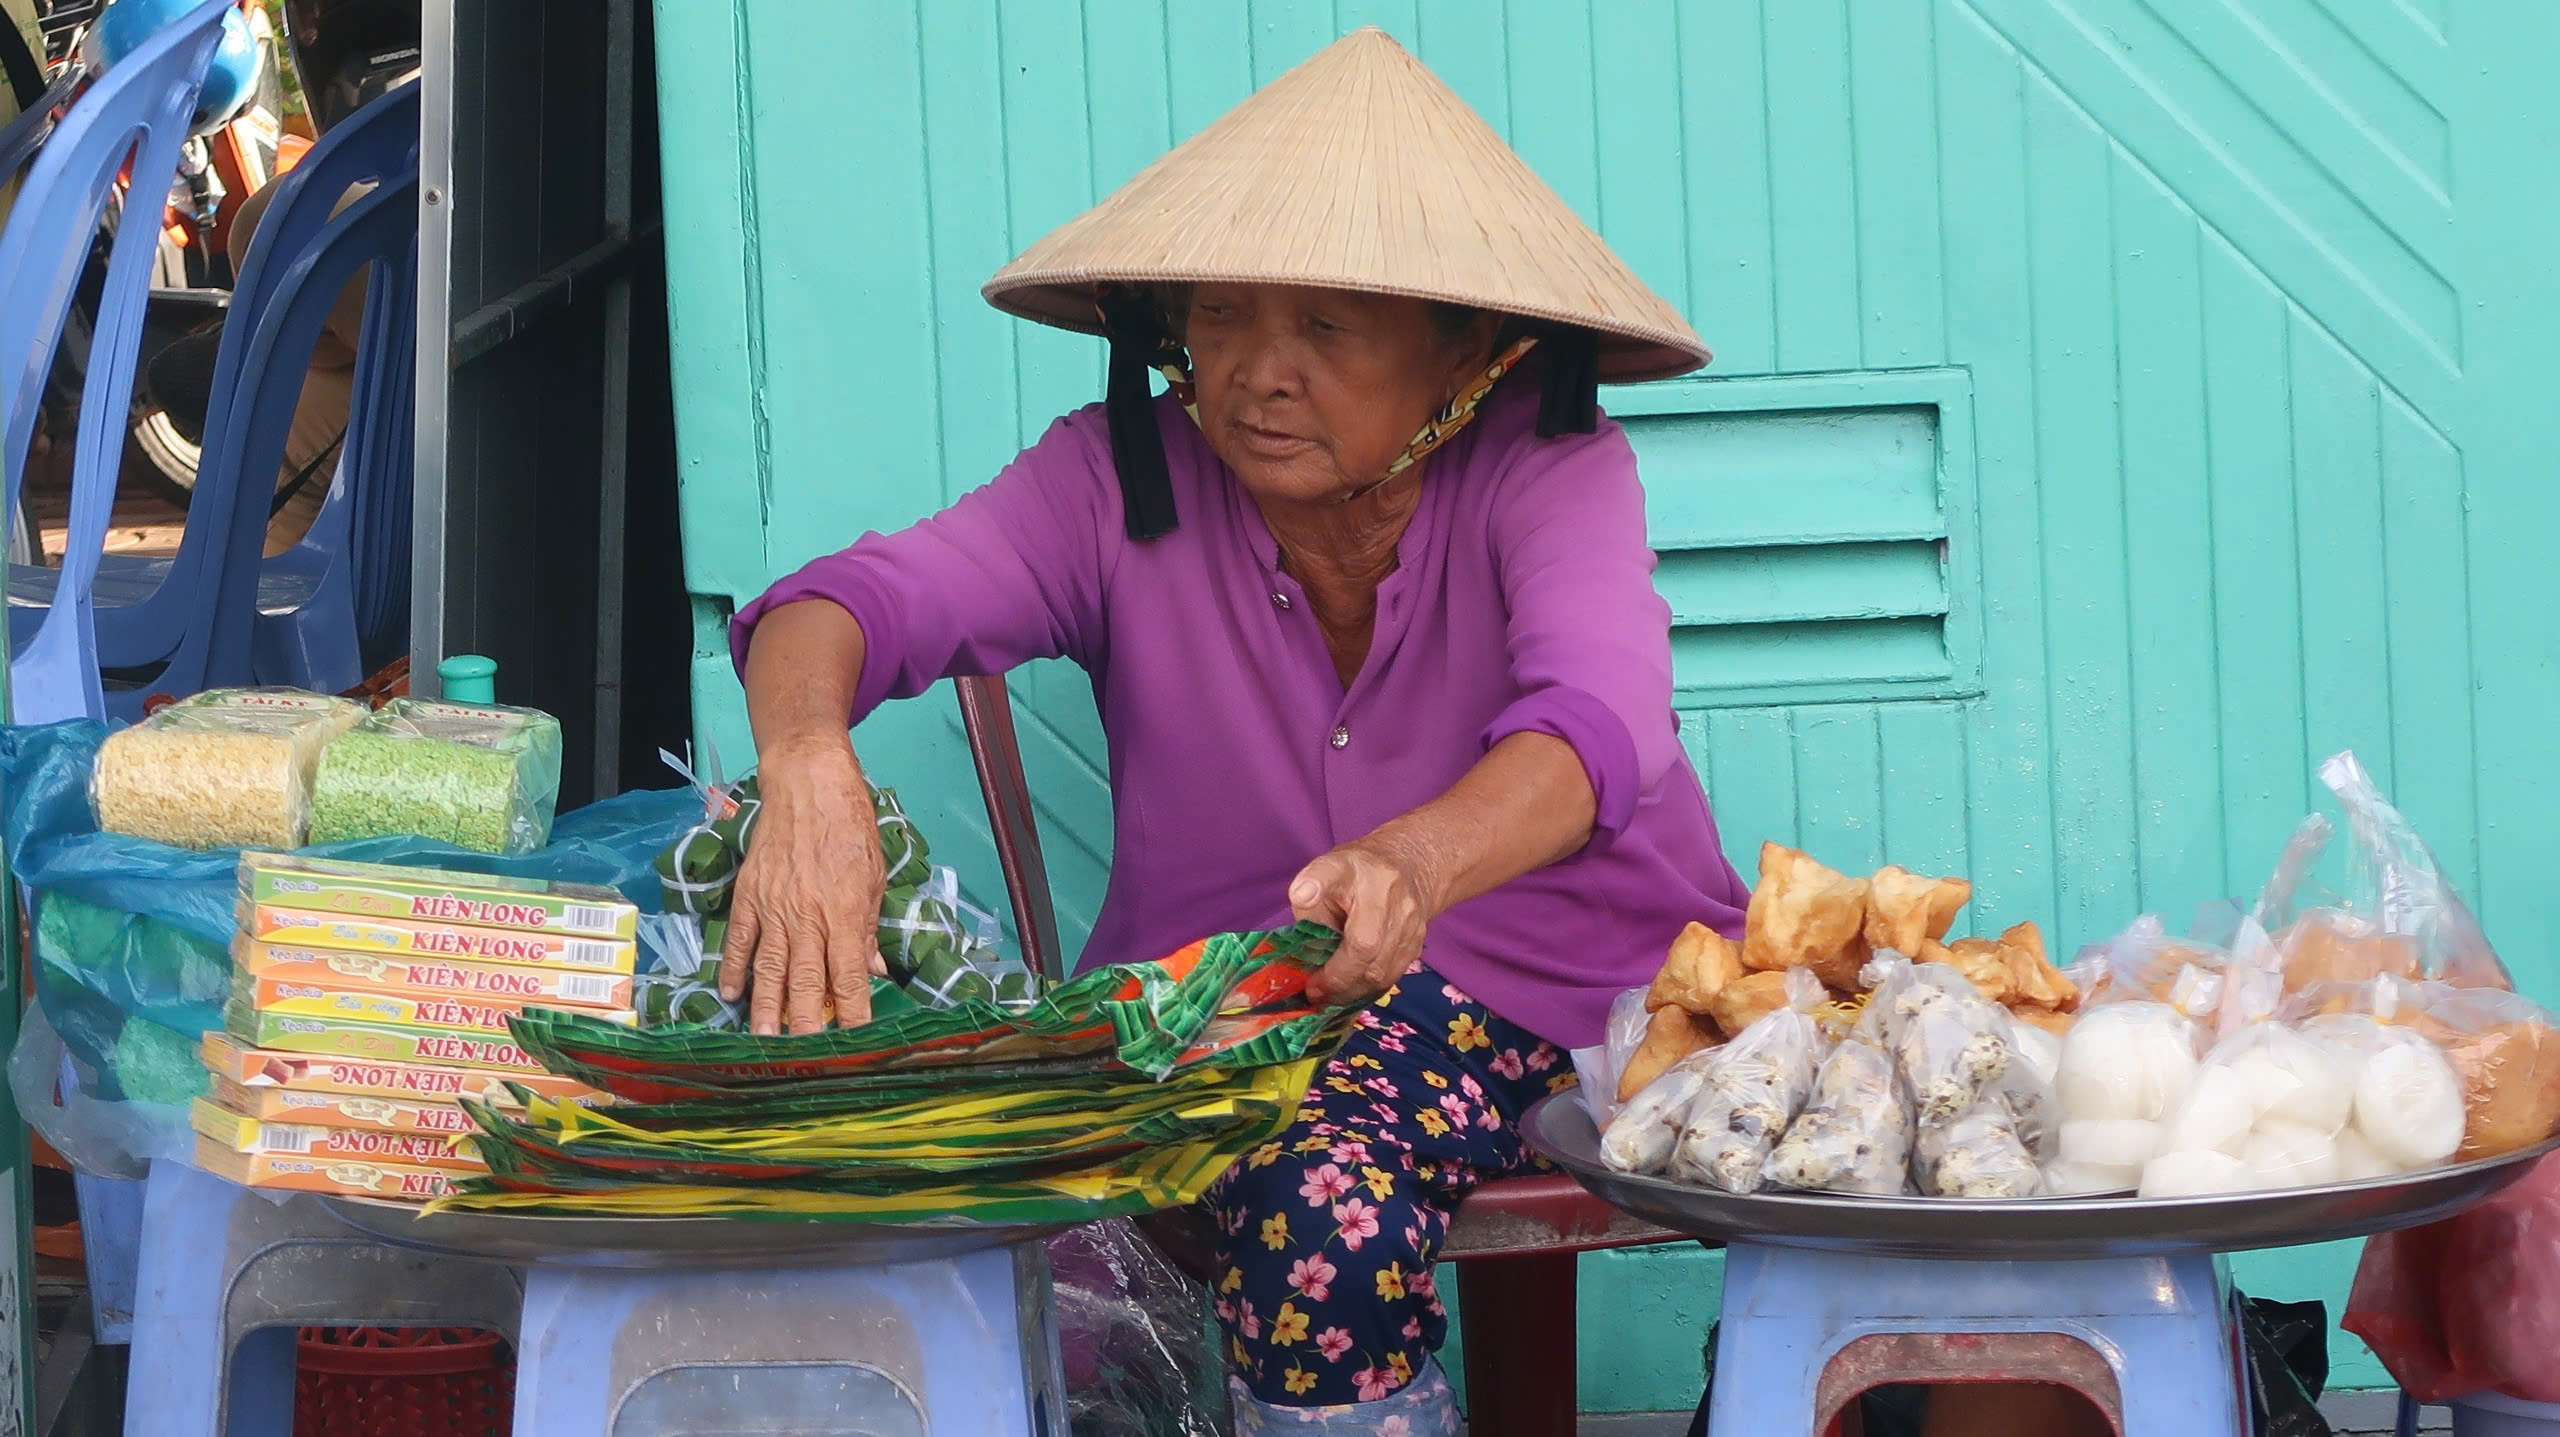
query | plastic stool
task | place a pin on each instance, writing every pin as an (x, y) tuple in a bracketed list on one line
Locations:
[(966, 1344), (228, 1276), (2148, 1340), (2494, 1414), (111, 1250)]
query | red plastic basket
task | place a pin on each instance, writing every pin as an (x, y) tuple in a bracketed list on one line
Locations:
[(402, 1382)]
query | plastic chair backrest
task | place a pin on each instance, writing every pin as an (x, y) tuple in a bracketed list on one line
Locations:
[(379, 463), (379, 230), (378, 143), (986, 716), (137, 112)]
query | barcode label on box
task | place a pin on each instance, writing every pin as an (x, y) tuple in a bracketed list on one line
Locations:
[(586, 988), (584, 919), (285, 1137), (587, 953)]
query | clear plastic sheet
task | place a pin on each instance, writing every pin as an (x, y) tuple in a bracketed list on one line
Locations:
[(1141, 1354)]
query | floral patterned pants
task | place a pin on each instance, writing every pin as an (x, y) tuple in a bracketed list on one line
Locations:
[(1326, 1236)]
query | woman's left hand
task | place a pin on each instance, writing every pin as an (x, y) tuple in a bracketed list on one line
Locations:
[(1379, 900)]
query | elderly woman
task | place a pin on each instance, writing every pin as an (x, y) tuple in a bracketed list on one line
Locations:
[(1366, 601)]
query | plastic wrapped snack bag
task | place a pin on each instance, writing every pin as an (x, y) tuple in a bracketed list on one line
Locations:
[(1854, 1134), (231, 768), (2264, 1111), (485, 778), (1753, 1088), (1598, 1066), (1951, 1045), (2501, 1050), (1976, 1154), (1640, 1138), (2125, 1065)]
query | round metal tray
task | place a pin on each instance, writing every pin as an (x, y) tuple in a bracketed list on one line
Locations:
[(1560, 1128), (667, 1243)]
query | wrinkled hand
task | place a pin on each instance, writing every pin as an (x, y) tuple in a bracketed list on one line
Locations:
[(1379, 901), (804, 919)]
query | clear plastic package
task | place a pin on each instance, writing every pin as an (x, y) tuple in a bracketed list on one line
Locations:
[(1640, 1138), (1976, 1154), (1855, 1132), (1951, 1044), (482, 778), (1754, 1086), (231, 768), (1598, 1066)]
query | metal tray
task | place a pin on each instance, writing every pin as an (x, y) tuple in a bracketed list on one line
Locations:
[(1560, 1128), (667, 1243)]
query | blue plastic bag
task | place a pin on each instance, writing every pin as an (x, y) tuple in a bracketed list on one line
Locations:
[(133, 938)]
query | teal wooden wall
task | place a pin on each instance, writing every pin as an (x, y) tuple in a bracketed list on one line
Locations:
[(2119, 404)]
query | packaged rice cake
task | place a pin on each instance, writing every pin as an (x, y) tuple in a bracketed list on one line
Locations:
[(295, 927), (318, 1074), (339, 1177), (480, 777), (341, 1110), (341, 998), (231, 768), (346, 1038), (257, 1136), (382, 890), (418, 976)]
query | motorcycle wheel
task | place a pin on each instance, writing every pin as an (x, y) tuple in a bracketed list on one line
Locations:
[(171, 456)]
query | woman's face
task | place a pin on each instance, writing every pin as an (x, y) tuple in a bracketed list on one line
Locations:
[(1309, 393)]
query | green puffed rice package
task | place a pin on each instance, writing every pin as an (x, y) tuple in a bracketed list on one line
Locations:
[(480, 777)]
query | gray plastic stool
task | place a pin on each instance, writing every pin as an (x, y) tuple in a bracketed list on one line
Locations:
[(228, 1275), (964, 1344)]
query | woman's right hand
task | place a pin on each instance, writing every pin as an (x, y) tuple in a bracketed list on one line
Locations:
[(804, 918)]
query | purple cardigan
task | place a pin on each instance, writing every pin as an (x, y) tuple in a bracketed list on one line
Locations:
[(1523, 602)]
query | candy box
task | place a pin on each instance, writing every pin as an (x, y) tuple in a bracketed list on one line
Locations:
[(382, 890), (341, 1177), (500, 984), (347, 1038), (266, 1070), (340, 1110), (341, 997), (295, 927), (257, 1136)]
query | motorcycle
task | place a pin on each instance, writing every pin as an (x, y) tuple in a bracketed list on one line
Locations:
[(238, 144)]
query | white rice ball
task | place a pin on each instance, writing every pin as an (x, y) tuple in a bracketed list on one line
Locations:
[(2067, 1179), (2126, 1060), (2110, 1142), (2357, 1161), (2216, 1115), (2288, 1155), (2408, 1104), (2294, 1080), (2193, 1175)]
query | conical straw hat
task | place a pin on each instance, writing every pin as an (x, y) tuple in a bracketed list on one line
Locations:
[(1358, 170)]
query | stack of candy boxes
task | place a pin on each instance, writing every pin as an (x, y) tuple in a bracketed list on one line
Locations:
[(366, 999)]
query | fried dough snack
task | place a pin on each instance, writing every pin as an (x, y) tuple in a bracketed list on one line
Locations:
[(1701, 963), (1905, 910), (1746, 1000), (1672, 1036), (2011, 970), (1803, 915)]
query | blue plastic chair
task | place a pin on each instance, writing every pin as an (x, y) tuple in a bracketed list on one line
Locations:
[(139, 110), (336, 604), (147, 604)]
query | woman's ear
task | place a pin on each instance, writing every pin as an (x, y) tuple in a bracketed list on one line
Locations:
[(1471, 353)]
